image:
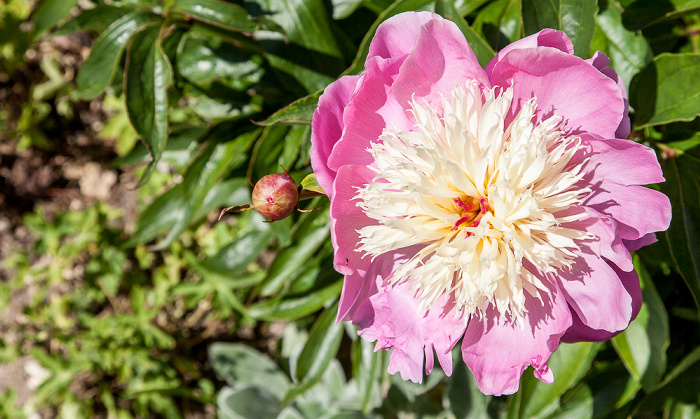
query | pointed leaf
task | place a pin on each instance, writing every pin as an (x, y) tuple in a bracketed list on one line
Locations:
[(218, 13), (666, 90), (299, 112), (98, 70)]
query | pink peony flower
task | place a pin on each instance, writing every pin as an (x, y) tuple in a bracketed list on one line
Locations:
[(498, 206)]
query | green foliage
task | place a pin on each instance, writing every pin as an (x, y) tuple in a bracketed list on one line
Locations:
[(220, 92)]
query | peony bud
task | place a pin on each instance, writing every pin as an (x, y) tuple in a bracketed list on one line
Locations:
[(275, 196)]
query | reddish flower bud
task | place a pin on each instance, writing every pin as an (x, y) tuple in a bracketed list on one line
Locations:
[(275, 196)]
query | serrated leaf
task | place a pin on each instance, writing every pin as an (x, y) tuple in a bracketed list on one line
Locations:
[(299, 112), (575, 17), (218, 13), (483, 51), (682, 187), (98, 70), (569, 364), (642, 346), (643, 13), (629, 51), (146, 80), (666, 90)]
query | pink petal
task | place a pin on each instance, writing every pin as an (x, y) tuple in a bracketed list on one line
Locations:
[(393, 319), (397, 36), (638, 210), (564, 85), (634, 245), (544, 38), (594, 292), (600, 61), (579, 332), (497, 352), (608, 243), (612, 159), (372, 108), (327, 127), (441, 59)]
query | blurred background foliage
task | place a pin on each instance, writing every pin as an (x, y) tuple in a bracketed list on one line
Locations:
[(123, 297)]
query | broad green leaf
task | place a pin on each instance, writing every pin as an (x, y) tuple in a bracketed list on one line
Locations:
[(681, 385), (146, 80), (568, 363), (642, 346), (297, 307), (240, 365), (344, 8), (575, 17), (643, 13), (98, 70), (238, 255), (484, 53), (98, 18), (247, 403), (215, 12), (666, 90), (299, 112), (629, 51), (49, 13), (308, 51), (682, 186), (464, 397), (398, 6), (467, 7), (499, 23), (319, 351)]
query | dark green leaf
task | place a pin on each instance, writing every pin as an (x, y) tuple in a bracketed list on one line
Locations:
[(344, 8), (666, 90), (97, 71), (682, 186), (295, 308), (218, 13), (319, 351), (299, 112), (399, 6), (629, 51), (642, 346), (499, 23), (49, 13), (643, 13), (367, 367), (238, 255), (465, 399), (484, 53), (569, 363), (98, 18), (146, 80), (240, 365), (575, 17)]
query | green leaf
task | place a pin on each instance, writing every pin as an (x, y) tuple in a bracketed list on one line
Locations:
[(247, 403), (682, 187), (238, 255), (575, 17), (319, 351), (98, 18), (146, 80), (218, 13), (499, 23), (299, 112), (367, 367), (642, 346), (98, 70), (568, 363), (483, 51), (629, 51), (297, 307), (311, 184), (464, 397), (643, 13), (398, 6), (344, 8), (240, 365), (666, 90), (49, 13)]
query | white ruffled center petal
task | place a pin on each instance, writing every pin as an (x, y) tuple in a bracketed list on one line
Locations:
[(481, 196)]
